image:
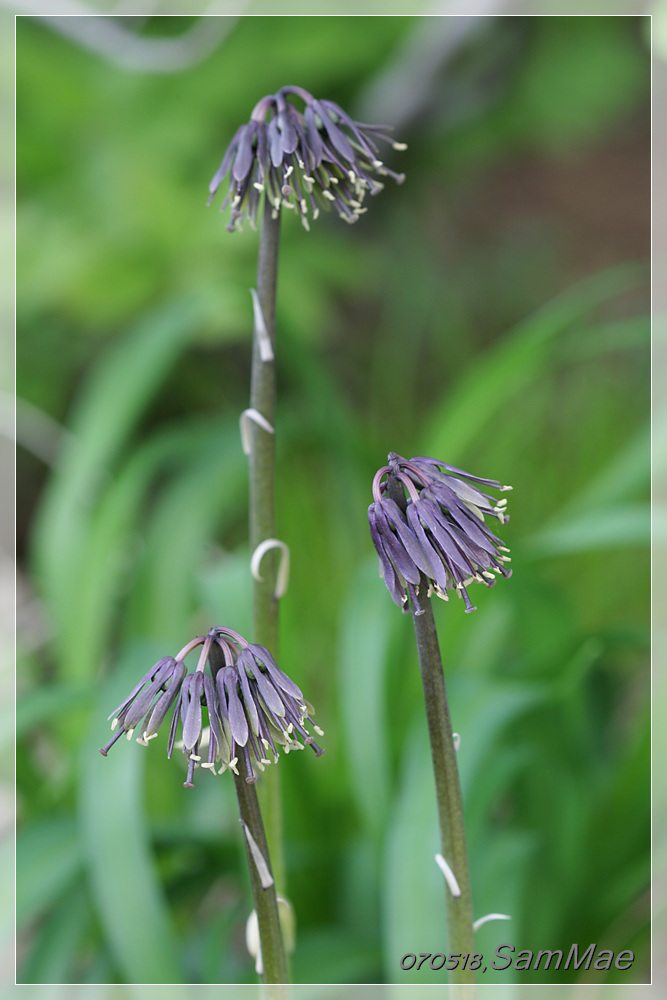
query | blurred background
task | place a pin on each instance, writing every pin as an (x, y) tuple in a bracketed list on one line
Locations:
[(492, 312)]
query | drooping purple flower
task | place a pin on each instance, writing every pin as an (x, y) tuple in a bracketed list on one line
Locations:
[(302, 160), (260, 706), (149, 701), (428, 524), (243, 706)]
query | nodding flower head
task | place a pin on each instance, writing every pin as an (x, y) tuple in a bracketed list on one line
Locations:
[(428, 524), (251, 705), (302, 160)]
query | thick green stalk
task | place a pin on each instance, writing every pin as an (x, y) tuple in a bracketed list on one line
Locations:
[(262, 509), (447, 787), (266, 905)]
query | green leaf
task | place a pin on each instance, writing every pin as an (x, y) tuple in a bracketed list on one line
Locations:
[(113, 398), (516, 360), (413, 886), (116, 845), (210, 494), (225, 587), (615, 527), (53, 950), (48, 857), (366, 633)]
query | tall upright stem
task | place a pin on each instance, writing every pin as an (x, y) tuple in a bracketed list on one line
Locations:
[(445, 768), (262, 512), (447, 787), (266, 905)]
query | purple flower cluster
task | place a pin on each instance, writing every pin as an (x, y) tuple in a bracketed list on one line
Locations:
[(252, 706), (302, 160), (427, 522)]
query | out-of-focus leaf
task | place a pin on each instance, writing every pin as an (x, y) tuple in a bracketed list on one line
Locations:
[(628, 472), (53, 950), (117, 392), (116, 844), (516, 360), (481, 708), (413, 891), (43, 704), (48, 857), (210, 493), (225, 586), (617, 335), (613, 527), (366, 635)]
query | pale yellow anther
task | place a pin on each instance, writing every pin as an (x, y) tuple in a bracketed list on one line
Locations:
[(400, 145), (193, 756), (320, 732), (114, 724), (257, 186), (328, 195), (129, 733)]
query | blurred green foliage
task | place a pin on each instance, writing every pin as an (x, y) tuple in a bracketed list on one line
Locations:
[(491, 312)]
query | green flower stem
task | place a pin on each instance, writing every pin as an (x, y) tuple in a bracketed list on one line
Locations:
[(262, 511), (447, 787), (460, 934), (266, 905)]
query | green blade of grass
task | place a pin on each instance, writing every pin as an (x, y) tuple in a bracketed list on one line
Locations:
[(116, 846)]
